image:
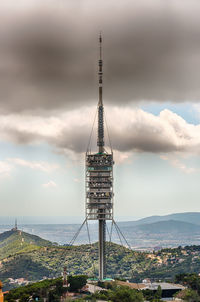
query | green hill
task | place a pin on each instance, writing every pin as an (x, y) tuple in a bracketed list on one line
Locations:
[(34, 258), (50, 261), (16, 241), (121, 262)]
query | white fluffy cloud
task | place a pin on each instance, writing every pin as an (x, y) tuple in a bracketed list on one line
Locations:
[(7, 166), (177, 163), (141, 131), (131, 130), (35, 165), (5, 169), (50, 184)]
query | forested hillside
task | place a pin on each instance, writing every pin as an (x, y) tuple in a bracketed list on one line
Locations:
[(38, 259)]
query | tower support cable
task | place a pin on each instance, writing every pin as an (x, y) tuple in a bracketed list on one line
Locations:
[(77, 233), (117, 227)]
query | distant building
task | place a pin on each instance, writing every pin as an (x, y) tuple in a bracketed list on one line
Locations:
[(147, 280), (1, 293), (157, 248), (168, 289), (19, 281)]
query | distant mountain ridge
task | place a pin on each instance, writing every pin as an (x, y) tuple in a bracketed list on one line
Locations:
[(173, 226), (168, 230), (178, 229), (189, 217)]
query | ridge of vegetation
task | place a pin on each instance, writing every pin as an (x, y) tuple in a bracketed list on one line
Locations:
[(43, 259), (15, 241)]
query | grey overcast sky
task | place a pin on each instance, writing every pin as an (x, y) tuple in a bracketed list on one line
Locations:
[(48, 95)]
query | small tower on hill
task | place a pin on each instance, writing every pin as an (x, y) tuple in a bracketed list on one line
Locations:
[(16, 224), (65, 283), (15, 227)]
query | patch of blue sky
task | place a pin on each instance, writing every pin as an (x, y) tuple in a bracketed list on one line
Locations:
[(152, 186), (32, 152), (191, 161), (26, 192), (186, 110)]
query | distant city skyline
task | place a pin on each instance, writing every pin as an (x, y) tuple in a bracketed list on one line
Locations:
[(49, 91)]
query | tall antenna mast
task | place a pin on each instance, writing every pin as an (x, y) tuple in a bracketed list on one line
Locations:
[(100, 139), (16, 224), (100, 144)]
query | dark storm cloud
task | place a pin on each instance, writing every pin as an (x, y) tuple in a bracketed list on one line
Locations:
[(49, 53)]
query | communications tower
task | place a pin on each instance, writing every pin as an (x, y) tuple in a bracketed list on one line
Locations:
[(99, 178), (99, 183)]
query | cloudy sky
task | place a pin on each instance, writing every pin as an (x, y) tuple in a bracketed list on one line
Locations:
[(49, 92)]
